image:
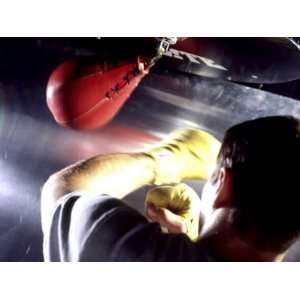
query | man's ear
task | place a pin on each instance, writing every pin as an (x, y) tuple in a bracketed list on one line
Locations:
[(224, 189)]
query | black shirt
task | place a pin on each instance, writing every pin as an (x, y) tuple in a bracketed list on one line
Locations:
[(87, 227)]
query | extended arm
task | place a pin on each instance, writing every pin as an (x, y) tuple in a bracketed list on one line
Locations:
[(116, 175), (186, 154)]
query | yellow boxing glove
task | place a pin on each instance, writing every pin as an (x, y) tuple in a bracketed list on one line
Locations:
[(180, 199), (185, 154)]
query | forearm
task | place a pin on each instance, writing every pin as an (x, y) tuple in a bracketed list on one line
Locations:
[(115, 174)]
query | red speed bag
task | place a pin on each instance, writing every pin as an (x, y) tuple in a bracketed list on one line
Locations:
[(82, 94)]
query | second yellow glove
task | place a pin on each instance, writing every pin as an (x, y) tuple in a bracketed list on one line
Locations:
[(180, 199)]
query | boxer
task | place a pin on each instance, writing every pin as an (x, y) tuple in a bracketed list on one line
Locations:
[(249, 203)]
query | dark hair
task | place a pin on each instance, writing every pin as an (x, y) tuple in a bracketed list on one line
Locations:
[(264, 158)]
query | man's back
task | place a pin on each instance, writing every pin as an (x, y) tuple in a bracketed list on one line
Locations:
[(100, 228)]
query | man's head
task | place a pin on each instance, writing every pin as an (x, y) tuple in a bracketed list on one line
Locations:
[(257, 181)]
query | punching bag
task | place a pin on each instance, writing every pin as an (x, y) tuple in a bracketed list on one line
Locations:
[(86, 95)]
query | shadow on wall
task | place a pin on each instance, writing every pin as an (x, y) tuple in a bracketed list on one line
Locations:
[(20, 241)]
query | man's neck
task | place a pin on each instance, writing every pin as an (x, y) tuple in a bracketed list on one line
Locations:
[(226, 245)]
